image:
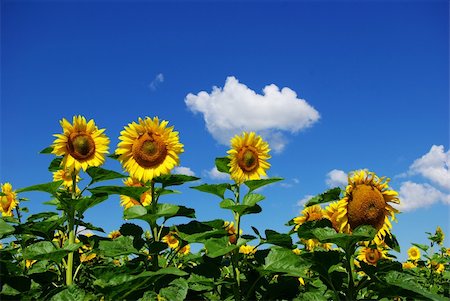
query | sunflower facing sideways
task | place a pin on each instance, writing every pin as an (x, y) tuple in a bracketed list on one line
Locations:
[(8, 201), (367, 202), (148, 149), (82, 144), (248, 157)]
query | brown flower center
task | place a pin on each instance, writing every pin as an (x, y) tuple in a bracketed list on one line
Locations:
[(366, 207), (149, 150), (248, 159), (372, 256), (81, 146), (5, 202)]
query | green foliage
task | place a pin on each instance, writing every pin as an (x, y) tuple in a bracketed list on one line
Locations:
[(326, 197)]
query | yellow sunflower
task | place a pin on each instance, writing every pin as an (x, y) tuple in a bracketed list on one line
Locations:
[(185, 250), (331, 212), (371, 255), (171, 240), (127, 202), (408, 265), (439, 235), (248, 157), (247, 250), (114, 234), (229, 227), (66, 177), (82, 144), (149, 148), (367, 202), (8, 201), (414, 253), (311, 213)]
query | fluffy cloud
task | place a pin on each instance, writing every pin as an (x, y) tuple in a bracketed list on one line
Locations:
[(415, 195), (235, 108), (183, 171), (434, 166), (336, 177), (217, 175), (304, 200), (156, 81)]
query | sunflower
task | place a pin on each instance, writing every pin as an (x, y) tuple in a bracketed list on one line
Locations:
[(171, 240), (437, 267), (149, 148), (185, 250), (114, 234), (311, 213), (8, 201), (127, 202), (439, 234), (82, 144), (331, 212), (229, 227), (66, 177), (248, 157), (413, 253), (371, 255), (408, 265), (366, 202), (247, 250)]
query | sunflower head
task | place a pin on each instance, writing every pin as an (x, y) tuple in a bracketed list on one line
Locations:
[(247, 250), (367, 202), (149, 148), (311, 213), (82, 144), (127, 202), (408, 265), (8, 201), (114, 234), (413, 253), (171, 240), (332, 213), (248, 157), (65, 175), (185, 250), (371, 254)]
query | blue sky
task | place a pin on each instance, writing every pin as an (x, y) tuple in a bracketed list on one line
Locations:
[(366, 86)]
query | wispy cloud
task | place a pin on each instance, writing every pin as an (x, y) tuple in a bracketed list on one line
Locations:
[(336, 177), (235, 108), (301, 203), (214, 174), (183, 171), (159, 78)]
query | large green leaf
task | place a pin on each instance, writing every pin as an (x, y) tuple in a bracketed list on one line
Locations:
[(255, 184), (133, 192), (196, 231), (122, 245), (326, 197), (85, 203), (242, 209), (218, 246), (72, 293), (162, 210), (279, 239), (345, 241), (98, 174), (50, 187), (176, 291), (47, 150), (171, 180), (55, 165), (216, 189), (222, 164), (410, 283), (45, 250), (5, 229), (280, 260)]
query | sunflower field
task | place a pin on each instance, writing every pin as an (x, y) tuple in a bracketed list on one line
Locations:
[(341, 246)]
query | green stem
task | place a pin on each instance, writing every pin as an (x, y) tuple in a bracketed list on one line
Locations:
[(154, 226), (351, 283), (71, 231), (235, 253)]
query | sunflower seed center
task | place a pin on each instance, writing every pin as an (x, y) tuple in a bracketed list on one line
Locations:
[(81, 146), (149, 150), (366, 207), (248, 159)]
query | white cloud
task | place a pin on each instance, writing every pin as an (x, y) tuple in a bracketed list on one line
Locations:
[(336, 177), (159, 78), (434, 166), (235, 108), (217, 175), (183, 171), (415, 195), (301, 203)]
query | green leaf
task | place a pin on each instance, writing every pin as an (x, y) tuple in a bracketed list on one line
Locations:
[(176, 291), (55, 164), (171, 180), (216, 247), (216, 189), (50, 187), (85, 203), (70, 293), (222, 164), (47, 150), (122, 245), (345, 241), (162, 210), (279, 239), (45, 250), (392, 242), (326, 197), (199, 232), (305, 230), (5, 229), (133, 192), (252, 199), (200, 283), (421, 246), (242, 209), (98, 174), (280, 260), (255, 184), (129, 229), (410, 283)]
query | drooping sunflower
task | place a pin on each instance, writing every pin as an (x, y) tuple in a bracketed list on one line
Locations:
[(8, 201), (149, 148), (413, 253), (311, 213), (371, 255), (367, 202), (248, 157), (82, 144), (331, 212), (127, 202)]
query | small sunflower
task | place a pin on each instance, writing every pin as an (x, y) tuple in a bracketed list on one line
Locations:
[(247, 250), (371, 255), (331, 212), (185, 250), (8, 201), (82, 144), (408, 265), (367, 202), (437, 267), (229, 227), (114, 234), (127, 202), (248, 157), (66, 177), (171, 240), (311, 213), (149, 148), (414, 253), (439, 235)]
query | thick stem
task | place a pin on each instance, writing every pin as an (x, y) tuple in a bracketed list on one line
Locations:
[(235, 253), (154, 226), (71, 232), (351, 283)]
